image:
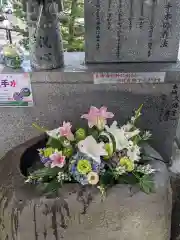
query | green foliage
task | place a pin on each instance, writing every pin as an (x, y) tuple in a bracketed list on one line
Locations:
[(146, 183), (128, 179), (54, 143), (49, 188), (45, 173)]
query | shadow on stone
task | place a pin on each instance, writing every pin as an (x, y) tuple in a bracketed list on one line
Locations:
[(30, 157)]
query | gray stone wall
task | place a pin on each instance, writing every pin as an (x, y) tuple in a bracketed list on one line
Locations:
[(56, 101), (132, 30)]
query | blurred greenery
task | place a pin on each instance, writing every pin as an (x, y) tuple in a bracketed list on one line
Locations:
[(71, 24)]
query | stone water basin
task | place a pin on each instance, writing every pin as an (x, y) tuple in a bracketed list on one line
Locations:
[(126, 213)]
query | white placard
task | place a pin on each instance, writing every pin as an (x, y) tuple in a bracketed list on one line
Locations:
[(131, 77), (15, 90)]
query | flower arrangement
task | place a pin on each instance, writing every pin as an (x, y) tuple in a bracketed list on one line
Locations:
[(100, 155), (11, 56)]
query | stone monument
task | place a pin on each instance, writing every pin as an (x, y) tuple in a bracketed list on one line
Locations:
[(132, 30), (126, 213), (46, 49)]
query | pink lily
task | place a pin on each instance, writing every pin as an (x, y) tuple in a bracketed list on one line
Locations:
[(97, 117), (65, 131), (57, 160)]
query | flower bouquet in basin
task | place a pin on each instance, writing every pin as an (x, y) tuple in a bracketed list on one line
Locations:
[(100, 155)]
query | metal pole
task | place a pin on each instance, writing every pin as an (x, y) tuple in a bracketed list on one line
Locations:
[(10, 37)]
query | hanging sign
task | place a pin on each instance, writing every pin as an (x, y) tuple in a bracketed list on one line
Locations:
[(15, 90), (131, 77)]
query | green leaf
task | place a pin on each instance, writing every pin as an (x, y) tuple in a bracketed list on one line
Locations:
[(127, 179), (147, 184), (46, 172), (137, 113), (54, 143), (107, 178), (49, 188), (136, 139), (41, 129)]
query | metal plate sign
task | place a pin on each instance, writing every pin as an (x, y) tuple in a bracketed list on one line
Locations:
[(138, 77), (15, 90)]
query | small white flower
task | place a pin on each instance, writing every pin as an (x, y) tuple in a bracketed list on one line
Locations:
[(63, 177), (133, 119), (127, 127), (132, 134), (29, 180), (134, 153), (120, 170), (145, 169), (146, 135)]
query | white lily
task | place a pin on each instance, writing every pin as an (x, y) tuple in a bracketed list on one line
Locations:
[(119, 135), (127, 127), (129, 135), (90, 147)]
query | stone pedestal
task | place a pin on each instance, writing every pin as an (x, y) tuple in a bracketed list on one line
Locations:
[(125, 213), (132, 30)]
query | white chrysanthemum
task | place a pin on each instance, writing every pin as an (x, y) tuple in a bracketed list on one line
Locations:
[(134, 153)]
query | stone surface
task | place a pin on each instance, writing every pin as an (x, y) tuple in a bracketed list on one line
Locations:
[(46, 49), (175, 230), (66, 94), (74, 63), (126, 213), (55, 102), (132, 31)]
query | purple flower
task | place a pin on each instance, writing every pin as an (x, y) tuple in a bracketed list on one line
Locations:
[(45, 160)]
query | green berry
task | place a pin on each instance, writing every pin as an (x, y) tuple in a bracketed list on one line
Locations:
[(68, 151), (80, 134)]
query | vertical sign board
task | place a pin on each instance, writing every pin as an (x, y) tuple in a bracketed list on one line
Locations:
[(132, 30), (15, 90)]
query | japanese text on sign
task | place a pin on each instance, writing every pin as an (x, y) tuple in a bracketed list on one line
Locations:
[(15, 90), (170, 111), (7, 83), (150, 77)]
